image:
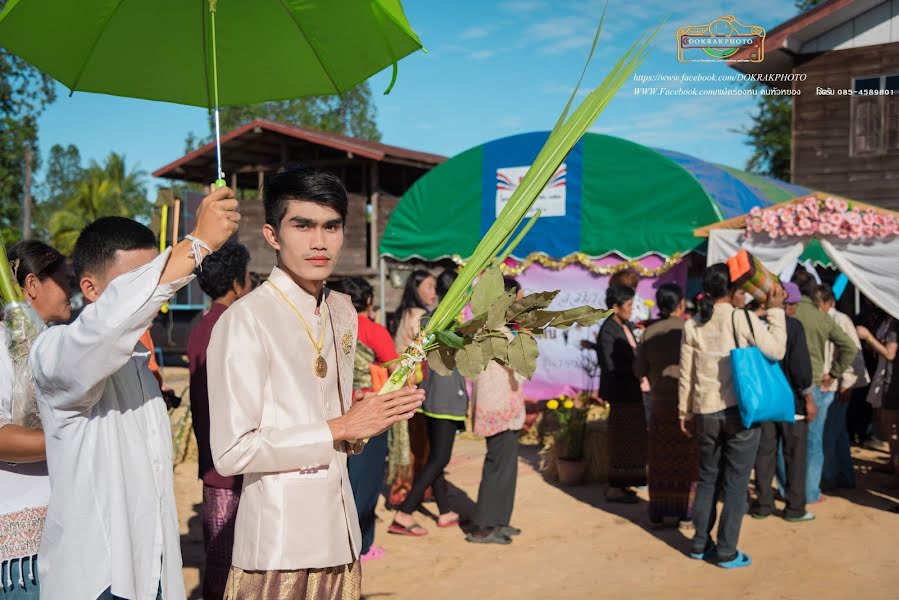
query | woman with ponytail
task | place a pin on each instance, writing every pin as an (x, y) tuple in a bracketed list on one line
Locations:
[(707, 405), (673, 457)]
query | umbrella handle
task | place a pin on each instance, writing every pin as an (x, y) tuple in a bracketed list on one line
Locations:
[(220, 182)]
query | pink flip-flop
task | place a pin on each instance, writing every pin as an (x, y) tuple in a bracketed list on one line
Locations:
[(374, 553)]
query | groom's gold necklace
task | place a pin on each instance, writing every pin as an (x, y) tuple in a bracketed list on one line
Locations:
[(319, 365)]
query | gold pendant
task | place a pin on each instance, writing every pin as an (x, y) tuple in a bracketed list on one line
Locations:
[(321, 367)]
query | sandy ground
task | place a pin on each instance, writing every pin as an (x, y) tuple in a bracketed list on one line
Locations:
[(575, 545)]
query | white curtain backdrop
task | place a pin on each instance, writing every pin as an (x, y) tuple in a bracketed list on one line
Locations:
[(872, 265), (778, 255)]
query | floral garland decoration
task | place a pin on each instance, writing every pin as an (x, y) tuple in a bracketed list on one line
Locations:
[(585, 261), (826, 217)]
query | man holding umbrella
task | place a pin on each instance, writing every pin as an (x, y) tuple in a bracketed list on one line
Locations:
[(112, 529)]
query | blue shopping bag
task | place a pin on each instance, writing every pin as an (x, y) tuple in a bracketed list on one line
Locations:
[(763, 392)]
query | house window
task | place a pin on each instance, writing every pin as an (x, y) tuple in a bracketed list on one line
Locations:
[(875, 115), (891, 84)]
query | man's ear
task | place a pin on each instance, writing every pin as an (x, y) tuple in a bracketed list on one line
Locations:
[(271, 236), (89, 287)]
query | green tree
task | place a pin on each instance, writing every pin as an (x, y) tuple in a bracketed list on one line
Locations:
[(63, 173), (352, 113), (771, 131), (24, 93), (770, 137), (103, 190)]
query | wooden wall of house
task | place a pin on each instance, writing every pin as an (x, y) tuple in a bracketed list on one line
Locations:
[(822, 128)]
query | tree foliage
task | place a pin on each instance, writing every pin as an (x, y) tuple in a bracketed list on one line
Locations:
[(24, 93), (110, 189), (352, 113), (771, 131)]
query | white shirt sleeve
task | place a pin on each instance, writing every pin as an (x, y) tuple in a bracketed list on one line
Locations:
[(72, 362)]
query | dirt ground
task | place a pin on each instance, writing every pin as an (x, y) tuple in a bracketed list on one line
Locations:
[(575, 545)]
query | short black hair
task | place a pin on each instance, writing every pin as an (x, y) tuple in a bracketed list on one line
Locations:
[(668, 298), (306, 184), (223, 268), (807, 284), (618, 295), (824, 294), (358, 289), (98, 243), (445, 281), (32, 257), (511, 285)]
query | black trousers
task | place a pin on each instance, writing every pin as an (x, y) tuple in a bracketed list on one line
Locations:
[(496, 494), (795, 442), (441, 435), (726, 453)]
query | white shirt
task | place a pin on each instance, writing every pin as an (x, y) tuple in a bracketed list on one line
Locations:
[(111, 520), (22, 486)]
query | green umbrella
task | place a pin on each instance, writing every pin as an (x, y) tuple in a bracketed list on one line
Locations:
[(172, 50)]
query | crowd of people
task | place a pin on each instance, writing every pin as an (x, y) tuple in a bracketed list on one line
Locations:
[(280, 418), (292, 436), (699, 451)]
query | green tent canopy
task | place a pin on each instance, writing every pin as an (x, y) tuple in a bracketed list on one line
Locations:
[(611, 196)]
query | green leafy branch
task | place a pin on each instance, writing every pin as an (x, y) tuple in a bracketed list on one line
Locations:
[(488, 335)]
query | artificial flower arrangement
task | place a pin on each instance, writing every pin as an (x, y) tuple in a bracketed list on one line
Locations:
[(826, 217)]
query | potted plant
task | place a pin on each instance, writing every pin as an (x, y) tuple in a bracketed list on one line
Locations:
[(572, 419)]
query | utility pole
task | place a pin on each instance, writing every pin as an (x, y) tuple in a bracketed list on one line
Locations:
[(26, 199)]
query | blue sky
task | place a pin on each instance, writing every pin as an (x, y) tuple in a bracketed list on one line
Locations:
[(493, 68)]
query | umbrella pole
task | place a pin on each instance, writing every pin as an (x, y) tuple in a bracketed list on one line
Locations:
[(220, 174)]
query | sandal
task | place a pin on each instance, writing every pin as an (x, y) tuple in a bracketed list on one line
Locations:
[(706, 555), (493, 537), (448, 524), (374, 553), (741, 560), (397, 529)]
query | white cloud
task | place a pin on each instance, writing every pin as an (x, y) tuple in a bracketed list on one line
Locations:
[(555, 27), (522, 6), (475, 33), (562, 89), (685, 125), (510, 122), (482, 54)]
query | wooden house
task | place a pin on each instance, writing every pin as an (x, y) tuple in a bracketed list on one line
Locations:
[(376, 175), (843, 59)]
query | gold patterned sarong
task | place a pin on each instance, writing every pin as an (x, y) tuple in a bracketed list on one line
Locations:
[(333, 583)]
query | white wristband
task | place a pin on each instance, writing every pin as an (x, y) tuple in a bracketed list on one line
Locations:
[(196, 244)]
